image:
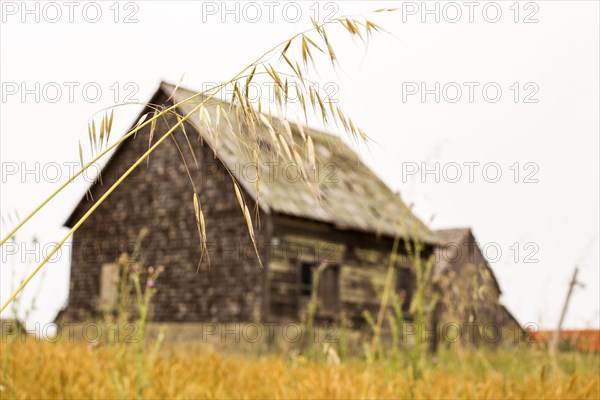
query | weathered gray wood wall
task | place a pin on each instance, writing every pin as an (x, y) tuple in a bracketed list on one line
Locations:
[(158, 196), (363, 260)]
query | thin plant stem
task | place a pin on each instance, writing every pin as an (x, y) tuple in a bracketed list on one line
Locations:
[(389, 280), (239, 75), (99, 202), (217, 89)]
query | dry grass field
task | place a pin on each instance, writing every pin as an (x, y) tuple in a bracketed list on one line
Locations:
[(376, 366), (33, 370)]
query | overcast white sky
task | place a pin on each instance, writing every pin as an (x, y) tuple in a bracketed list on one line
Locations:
[(543, 56)]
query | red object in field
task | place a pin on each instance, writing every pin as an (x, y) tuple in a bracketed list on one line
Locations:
[(587, 340)]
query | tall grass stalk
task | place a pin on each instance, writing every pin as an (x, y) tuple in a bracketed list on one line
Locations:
[(387, 290), (422, 304), (129, 277), (356, 28), (311, 313)]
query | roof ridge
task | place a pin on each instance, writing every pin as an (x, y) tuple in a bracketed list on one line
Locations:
[(170, 86), (355, 197)]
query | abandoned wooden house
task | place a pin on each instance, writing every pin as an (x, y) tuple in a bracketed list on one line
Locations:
[(350, 225), (468, 290)]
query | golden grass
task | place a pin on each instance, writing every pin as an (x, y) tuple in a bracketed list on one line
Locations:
[(77, 370)]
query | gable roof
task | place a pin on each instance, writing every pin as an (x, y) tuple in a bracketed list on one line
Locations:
[(452, 235), (444, 251), (350, 197), (447, 239)]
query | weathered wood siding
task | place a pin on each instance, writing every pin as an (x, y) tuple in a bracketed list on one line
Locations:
[(363, 260), (468, 284), (158, 196), (469, 294)]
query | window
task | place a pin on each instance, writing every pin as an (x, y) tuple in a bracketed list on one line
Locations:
[(306, 278), (405, 285), (328, 295)]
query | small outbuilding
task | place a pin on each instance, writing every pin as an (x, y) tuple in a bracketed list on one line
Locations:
[(468, 292)]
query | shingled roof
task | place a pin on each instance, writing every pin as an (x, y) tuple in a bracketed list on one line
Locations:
[(350, 197)]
